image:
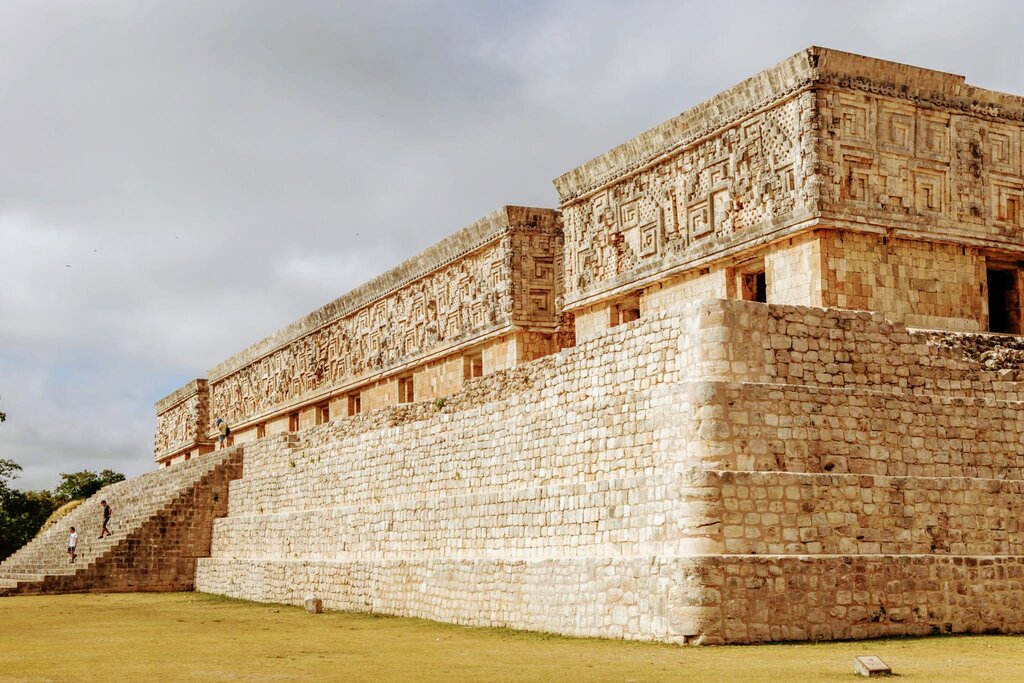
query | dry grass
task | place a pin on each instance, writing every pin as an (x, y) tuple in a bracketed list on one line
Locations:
[(193, 637), (60, 513)]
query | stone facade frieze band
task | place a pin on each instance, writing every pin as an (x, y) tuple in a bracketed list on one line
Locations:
[(495, 285)]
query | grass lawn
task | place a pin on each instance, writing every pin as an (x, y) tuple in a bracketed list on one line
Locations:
[(195, 637)]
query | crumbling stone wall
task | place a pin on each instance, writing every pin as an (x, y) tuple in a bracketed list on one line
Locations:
[(994, 351)]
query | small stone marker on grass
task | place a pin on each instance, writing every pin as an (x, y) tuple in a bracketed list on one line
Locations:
[(314, 605), (870, 665)]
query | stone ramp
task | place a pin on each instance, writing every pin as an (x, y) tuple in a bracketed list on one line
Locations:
[(161, 523)]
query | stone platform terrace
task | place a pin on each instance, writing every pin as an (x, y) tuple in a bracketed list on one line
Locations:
[(730, 472)]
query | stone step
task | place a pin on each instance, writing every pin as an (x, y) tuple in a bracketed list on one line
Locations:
[(21, 576), (136, 503), (64, 567)]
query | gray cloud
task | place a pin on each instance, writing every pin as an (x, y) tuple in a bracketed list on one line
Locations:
[(180, 179)]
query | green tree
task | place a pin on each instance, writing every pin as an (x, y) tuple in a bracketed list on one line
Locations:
[(83, 484), (3, 415), (8, 471), (21, 512)]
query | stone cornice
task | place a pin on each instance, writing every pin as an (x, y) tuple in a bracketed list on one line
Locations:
[(180, 394)]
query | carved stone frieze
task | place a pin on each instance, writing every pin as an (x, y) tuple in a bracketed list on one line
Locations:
[(719, 191), (919, 167), (182, 419), (509, 279)]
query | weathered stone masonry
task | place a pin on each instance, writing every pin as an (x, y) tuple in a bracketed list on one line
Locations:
[(663, 415), (673, 479), (843, 180)]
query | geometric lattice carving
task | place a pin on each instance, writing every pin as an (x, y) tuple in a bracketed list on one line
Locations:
[(956, 168), (742, 177)]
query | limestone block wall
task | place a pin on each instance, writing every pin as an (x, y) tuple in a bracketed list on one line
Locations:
[(728, 472), (548, 497), (842, 597), (800, 428), (864, 482), (742, 341), (795, 273), (922, 284)]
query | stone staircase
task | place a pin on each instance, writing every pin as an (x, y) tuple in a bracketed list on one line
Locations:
[(162, 521)]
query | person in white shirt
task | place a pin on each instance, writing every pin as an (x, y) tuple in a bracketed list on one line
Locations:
[(72, 544)]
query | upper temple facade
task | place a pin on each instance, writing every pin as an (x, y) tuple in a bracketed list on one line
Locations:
[(828, 180)]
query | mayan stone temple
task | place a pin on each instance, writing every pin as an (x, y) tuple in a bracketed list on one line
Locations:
[(755, 379)]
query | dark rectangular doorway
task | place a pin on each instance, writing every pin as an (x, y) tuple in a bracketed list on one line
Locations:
[(1003, 301), (755, 286)]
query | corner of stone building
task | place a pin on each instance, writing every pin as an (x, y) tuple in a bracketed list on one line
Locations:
[(692, 605), (725, 342)]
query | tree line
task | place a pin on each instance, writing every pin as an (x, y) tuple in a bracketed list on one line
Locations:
[(22, 513)]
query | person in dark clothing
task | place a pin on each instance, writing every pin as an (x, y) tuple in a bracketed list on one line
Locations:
[(223, 431), (106, 518)]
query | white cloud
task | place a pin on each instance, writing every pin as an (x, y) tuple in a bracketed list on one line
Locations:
[(212, 171)]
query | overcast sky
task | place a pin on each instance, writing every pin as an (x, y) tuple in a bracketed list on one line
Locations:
[(179, 179)]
